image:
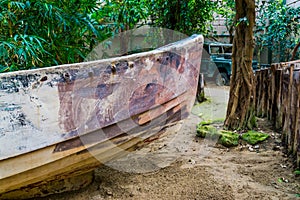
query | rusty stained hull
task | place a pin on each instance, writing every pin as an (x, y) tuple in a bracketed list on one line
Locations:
[(64, 121)]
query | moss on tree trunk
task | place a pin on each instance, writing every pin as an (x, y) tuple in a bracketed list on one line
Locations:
[(241, 110)]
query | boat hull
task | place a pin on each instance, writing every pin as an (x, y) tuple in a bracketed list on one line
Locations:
[(61, 122)]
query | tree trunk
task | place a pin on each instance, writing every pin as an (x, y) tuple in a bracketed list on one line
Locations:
[(295, 51), (241, 111), (231, 32)]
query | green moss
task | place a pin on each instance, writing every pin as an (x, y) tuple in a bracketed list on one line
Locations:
[(207, 100), (228, 138), (201, 96), (209, 122), (203, 123), (254, 137), (206, 131), (253, 121)]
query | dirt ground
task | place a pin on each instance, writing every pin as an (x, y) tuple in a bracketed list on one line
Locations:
[(182, 166)]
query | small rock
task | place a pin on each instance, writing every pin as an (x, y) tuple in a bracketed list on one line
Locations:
[(109, 193), (282, 166), (276, 148), (251, 149), (162, 146), (273, 135), (241, 148), (192, 161), (276, 186), (285, 180), (256, 147)]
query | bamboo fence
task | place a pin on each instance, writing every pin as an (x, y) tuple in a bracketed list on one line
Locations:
[(278, 99)]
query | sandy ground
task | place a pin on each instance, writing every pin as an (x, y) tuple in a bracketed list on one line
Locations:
[(182, 166)]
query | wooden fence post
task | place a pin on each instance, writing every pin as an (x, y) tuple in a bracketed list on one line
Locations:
[(278, 98), (272, 93), (200, 90), (264, 104)]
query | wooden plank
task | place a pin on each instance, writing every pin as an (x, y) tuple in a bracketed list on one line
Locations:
[(278, 99), (293, 114), (264, 98), (287, 86), (258, 77)]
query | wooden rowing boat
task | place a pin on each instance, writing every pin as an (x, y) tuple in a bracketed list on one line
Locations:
[(57, 124)]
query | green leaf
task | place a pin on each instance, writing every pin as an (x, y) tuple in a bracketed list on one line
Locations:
[(4, 68), (297, 172)]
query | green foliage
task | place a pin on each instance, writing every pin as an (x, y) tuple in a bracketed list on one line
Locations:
[(118, 16), (297, 172), (277, 27), (254, 137), (225, 8), (189, 17), (44, 33)]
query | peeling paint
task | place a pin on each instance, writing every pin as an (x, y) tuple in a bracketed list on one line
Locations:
[(42, 107)]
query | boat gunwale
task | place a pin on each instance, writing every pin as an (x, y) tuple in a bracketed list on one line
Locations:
[(156, 51)]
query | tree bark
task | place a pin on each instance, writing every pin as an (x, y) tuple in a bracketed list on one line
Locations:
[(241, 110), (295, 51)]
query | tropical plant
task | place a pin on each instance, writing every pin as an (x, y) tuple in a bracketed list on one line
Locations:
[(119, 16), (278, 28), (122, 15), (189, 17), (44, 33), (226, 11)]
